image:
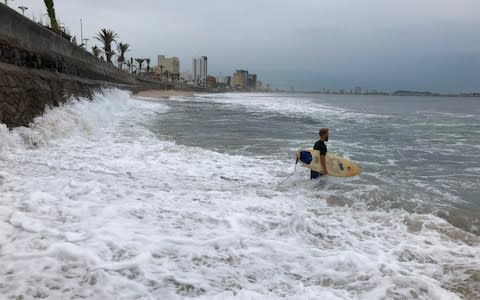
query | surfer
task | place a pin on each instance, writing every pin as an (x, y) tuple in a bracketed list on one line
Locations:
[(320, 146)]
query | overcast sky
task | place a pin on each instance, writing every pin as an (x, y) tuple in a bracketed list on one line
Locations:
[(310, 44)]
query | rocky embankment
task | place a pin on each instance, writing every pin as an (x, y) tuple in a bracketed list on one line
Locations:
[(25, 93)]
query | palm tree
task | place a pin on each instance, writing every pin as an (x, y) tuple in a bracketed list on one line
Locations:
[(167, 74), (51, 14), (96, 51), (161, 73), (107, 37), (140, 62), (148, 64), (122, 48)]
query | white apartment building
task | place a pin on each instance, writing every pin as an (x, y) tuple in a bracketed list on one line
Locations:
[(200, 70)]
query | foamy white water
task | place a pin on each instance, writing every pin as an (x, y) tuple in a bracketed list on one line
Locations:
[(95, 205)]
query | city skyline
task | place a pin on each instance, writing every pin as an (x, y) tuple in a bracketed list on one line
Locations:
[(386, 46)]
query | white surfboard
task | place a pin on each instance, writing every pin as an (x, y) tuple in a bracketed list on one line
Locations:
[(337, 166)]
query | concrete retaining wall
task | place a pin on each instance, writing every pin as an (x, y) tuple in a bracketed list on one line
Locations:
[(24, 93), (39, 68), (20, 35)]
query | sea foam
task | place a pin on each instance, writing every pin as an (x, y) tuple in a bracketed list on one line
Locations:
[(95, 205)]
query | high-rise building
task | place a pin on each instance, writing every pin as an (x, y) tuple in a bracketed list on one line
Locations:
[(168, 64), (227, 80), (240, 79), (200, 70), (252, 81)]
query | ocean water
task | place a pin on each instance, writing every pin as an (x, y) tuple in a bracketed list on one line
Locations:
[(131, 198)]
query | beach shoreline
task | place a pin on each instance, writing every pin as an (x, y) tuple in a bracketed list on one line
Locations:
[(165, 94)]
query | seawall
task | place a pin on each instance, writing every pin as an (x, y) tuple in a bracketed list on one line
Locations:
[(39, 68)]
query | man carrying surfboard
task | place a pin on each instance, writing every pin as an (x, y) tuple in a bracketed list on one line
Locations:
[(320, 146), (317, 159)]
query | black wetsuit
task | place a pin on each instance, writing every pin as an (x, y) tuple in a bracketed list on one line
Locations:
[(320, 146)]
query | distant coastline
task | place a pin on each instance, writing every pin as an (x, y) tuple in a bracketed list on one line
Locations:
[(396, 93)]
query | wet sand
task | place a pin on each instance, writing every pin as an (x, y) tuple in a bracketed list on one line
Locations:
[(164, 94)]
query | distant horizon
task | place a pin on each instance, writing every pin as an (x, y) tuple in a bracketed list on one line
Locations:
[(350, 92), (371, 91)]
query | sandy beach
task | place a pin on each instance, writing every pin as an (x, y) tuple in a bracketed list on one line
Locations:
[(163, 94)]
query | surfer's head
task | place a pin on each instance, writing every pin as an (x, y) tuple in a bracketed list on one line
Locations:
[(323, 134)]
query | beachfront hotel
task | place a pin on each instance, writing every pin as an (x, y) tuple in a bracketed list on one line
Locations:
[(169, 65), (241, 79)]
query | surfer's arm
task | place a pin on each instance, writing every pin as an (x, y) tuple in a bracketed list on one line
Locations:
[(324, 164)]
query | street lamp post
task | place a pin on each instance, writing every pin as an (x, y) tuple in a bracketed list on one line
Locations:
[(81, 30), (23, 8), (86, 40)]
